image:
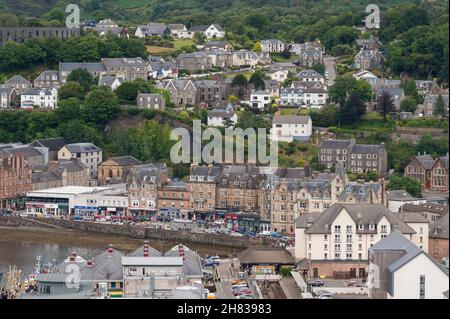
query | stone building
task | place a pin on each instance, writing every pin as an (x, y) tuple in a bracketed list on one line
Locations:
[(15, 179), (356, 158), (128, 69), (202, 189), (182, 92), (151, 101), (173, 199), (431, 173), (22, 34), (143, 182), (115, 169), (89, 154), (18, 83), (47, 79), (438, 238)]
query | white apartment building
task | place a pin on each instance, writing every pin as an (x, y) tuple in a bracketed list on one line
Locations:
[(42, 97), (339, 238), (287, 128), (315, 98), (88, 153)]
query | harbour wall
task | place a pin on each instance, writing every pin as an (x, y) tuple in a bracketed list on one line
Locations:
[(128, 231)]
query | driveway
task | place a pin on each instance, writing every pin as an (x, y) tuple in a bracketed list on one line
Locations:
[(330, 65)]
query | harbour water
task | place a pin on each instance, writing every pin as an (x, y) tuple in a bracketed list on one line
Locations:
[(23, 255)]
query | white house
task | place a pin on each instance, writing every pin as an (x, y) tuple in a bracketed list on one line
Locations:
[(260, 99), (279, 76), (42, 97), (219, 116), (272, 46), (213, 31), (287, 128), (7, 96), (401, 270), (112, 81), (310, 76), (315, 98), (291, 97)]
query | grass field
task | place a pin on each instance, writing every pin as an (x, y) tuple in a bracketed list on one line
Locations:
[(151, 49), (179, 43)]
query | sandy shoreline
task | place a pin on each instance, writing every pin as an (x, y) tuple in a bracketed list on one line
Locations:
[(100, 241)]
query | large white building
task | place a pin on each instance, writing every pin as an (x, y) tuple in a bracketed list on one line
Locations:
[(79, 200), (46, 98), (400, 270), (287, 128), (291, 96), (220, 116), (338, 239), (88, 153)]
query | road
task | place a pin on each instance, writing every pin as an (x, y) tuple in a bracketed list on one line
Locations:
[(330, 65), (290, 288), (223, 286)]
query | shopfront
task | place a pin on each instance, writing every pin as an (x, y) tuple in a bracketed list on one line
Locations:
[(242, 222), (85, 210)]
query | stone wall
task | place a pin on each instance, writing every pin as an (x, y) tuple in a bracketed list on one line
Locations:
[(129, 231)]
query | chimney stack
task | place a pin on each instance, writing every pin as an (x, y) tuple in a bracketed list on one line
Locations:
[(181, 251), (110, 249)]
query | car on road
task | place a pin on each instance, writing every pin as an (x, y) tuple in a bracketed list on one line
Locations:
[(325, 296), (24, 215), (264, 233), (244, 297), (317, 283)]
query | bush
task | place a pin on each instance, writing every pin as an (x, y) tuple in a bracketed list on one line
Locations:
[(286, 271)]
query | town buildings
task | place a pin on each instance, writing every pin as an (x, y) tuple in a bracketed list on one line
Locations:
[(7, 98), (335, 243), (22, 34), (96, 69), (369, 60), (357, 158), (47, 79), (202, 188), (260, 99), (222, 116), (115, 169), (272, 46), (173, 200), (128, 69), (439, 239), (15, 179), (151, 101), (182, 92), (45, 98), (88, 153), (18, 83), (431, 173)]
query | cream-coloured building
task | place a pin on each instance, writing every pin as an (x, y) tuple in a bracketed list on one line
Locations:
[(336, 242), (88, 153)]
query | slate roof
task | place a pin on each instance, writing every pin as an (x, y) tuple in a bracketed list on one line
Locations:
[(27, 151), (335, 144), (53, 144), (6, 90), (192, 266), (126, 160), (153, 28), (51, 73), (425, 160), (45, 177), (412, 217), (90, 66), (291, 119), (439, 229), (72, 165), (309, 74), (83, 148), (362, 214), (266, 255), (17, 79), (428, 207), (37, 91), (108, 80), (366, 148), (399, 195), (202, 170)]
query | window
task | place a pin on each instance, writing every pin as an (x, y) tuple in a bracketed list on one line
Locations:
[(360, 227), (349, 228), (422, 287), (337, 229)]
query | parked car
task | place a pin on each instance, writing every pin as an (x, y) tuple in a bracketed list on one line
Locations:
[(244, 297), (317, 283), (325, 296), (264, 233), (242, 292)]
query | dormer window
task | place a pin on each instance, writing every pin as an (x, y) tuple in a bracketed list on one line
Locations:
[(360, 227), (371, 227)]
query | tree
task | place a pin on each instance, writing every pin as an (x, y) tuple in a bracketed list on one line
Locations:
[(340, 35), (240, 82), (434, 146), (410, 89), (257, 80), (319, 67), (352, 110), (385, 104), (9, 20), (83, 77), (100, 106), (409, 104), (68, 109), (257, 47), (199, 37), (345, 85), (410, 185), (71, 89), (128, 91), (439, 108)]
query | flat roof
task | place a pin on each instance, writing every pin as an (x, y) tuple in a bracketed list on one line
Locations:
[(77, 190), (152, 261)]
